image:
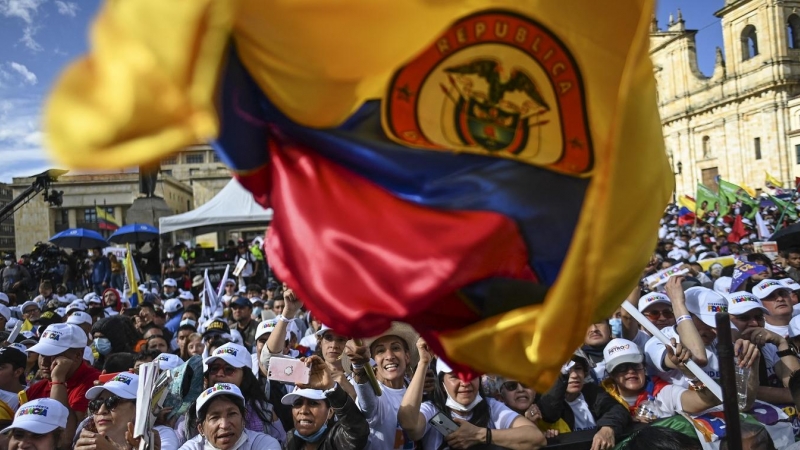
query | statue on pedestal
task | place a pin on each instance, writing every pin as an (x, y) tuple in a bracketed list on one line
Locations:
[(148, 177)]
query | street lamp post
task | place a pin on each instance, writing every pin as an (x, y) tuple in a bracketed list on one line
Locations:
[(677, 169)]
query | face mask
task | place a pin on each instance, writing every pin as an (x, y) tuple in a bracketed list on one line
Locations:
[(455, 406), (103, 346), (314, 437), (7, 263), (257, 312), (616, 326)]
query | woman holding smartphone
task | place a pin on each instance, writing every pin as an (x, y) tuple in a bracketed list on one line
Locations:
[(477, 420)]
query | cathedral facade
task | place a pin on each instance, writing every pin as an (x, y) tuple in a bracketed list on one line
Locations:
[(744, 119)]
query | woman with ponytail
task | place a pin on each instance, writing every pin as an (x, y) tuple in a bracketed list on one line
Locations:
[(480, 420)]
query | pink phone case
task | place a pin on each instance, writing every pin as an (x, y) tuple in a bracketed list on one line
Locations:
[(288, 370)]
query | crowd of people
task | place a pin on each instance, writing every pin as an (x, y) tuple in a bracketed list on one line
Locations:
[(70, 379)]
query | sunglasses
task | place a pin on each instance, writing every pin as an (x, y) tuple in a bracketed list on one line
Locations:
[(228, 370), (666, 313), (513, 385), (111, 403), (627, 367), (748, 317)]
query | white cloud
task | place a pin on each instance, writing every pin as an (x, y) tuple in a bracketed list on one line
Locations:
[(21, 150), (23, 9), (28, 77), (28, 40), (60, 52), (67, 8)]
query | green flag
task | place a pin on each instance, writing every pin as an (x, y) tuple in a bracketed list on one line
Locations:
[(708, 203), (787, 208), (733, 194)]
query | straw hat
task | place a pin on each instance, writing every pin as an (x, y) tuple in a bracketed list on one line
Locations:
[(404, 332)]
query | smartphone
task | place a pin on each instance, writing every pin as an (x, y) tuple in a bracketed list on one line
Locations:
[(443, 424), (288, 370)]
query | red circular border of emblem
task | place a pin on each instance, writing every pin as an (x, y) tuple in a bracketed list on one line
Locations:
[(536, 41)]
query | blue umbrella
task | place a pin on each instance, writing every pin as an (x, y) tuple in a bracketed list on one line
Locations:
[(133, 233), (79, 239)]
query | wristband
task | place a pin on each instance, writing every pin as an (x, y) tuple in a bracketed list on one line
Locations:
[(281, 318), (64, 383), (682, 318)]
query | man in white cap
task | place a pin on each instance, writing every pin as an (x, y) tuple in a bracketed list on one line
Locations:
[(31, 311), (81, 319), (170, 288), (778, 359), (659, 309), (703, 304), (67, 377), (173, 308), (775, 297)]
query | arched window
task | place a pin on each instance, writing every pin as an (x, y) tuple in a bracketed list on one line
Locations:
[(793, 31), (749, 42), (706, 147)]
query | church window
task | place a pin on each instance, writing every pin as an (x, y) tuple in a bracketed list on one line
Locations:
[(757, 145), (749, 43), (797, 153), (793, 31), (706, 147)]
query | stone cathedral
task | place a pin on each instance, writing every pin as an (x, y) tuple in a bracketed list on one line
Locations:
[(744, 118)]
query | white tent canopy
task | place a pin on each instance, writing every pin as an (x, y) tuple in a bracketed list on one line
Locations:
[(232, 206)]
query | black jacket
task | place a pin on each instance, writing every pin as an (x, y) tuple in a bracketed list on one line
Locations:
[(350, 432), (606, 411)]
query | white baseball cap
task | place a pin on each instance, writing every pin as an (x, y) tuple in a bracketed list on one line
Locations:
[(322, 330), (255, 300), (76, 305), (4, 298), (652, 299), (79, 317), (186, 295), (723, 285), (741, 302), (621, 351), (265, 327), (40, 416), (27, 304), (91, 297), (170, 282), (790, 284), (123, 385), (172, 305), (233, 354), (168, 361), (705, 304), (766, 287), (4, 311), (59, 337), (313, 394), (88, 356), (217, 389)]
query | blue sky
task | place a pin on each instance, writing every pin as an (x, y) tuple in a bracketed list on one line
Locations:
[(39, 37)]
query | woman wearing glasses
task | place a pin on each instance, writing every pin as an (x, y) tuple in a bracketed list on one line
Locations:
[(38, 425), (231, 363), (330, 347), (113, 409), (630, 386)]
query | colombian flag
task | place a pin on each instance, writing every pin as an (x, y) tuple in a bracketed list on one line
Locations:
[(475, 168), (105, 219)]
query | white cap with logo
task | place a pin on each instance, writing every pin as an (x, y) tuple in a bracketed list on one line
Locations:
[(621, 351), (217, 389), (58, 338), (652, 299), (233, 354), (265, 327), (123, 385), (765, 288), (79, 317), (705, 304), (790, 284), (170, 282), (741, 302), (168, 361), (40, 416)]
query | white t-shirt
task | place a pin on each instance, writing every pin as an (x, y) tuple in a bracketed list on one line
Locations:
[(583, 416), (780, 330), (501, 418), (385, 432), (169, 439), (668, 401), (641, 339), (655, 353)]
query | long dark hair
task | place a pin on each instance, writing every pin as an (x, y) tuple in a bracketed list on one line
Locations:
[(480, 414)]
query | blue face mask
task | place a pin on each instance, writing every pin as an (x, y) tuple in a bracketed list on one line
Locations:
[(616, 326), (257, 312), (314, 437), (103, 346)]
